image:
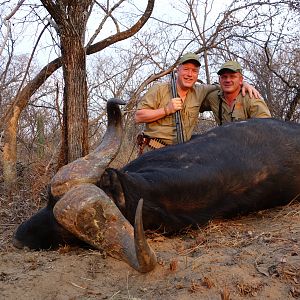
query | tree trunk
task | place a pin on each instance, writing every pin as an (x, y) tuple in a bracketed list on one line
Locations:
[(71, 18), (9, 152), (10, 123), (75, 116)]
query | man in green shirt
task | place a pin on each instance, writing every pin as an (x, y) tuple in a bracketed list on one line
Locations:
[(156, 109), (228, 104)]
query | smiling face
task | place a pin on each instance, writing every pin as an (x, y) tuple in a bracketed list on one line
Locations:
[(187, 75), (231, 82)]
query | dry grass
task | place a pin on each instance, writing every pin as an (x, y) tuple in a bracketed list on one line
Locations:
[(225, 294), (29, 196), (249, 289)]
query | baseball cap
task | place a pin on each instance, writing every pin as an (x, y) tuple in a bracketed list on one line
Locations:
[(231, 65), (190, 56)]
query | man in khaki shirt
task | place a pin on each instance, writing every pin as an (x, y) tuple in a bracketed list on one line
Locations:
[(228, 104), (156, 109)]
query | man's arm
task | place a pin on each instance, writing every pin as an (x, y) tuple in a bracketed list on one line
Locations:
[(149, 115), (251, 90), (146, 115)]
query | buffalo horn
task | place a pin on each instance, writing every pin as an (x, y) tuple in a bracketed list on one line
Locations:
[(89, 169), (145, 255), (88, 213)]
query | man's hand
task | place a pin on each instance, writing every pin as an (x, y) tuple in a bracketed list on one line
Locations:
[(146, 115), (173, 105), (251, 90)]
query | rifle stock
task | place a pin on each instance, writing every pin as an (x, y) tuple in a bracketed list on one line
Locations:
[(178, 123)]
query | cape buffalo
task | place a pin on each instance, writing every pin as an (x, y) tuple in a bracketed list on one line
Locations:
[(228, 171)]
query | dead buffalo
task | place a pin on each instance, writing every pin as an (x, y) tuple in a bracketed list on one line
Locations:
[(228, 171)]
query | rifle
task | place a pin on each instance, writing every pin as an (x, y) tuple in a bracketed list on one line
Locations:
[(178, 123)]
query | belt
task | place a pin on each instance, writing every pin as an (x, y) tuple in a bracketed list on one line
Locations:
[(144, 140)]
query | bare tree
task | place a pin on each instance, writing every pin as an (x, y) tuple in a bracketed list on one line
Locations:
[(71, 19), (10, 119), (6, 22), (276, 74)]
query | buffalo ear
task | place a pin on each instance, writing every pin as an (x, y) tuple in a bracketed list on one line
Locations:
[(111, 185)]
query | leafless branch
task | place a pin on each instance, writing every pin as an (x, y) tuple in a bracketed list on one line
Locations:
[(6, 22)]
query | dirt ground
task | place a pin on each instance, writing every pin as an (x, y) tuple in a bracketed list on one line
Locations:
[(253, 257)]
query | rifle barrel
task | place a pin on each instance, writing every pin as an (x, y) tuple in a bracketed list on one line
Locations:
[(178, 123)]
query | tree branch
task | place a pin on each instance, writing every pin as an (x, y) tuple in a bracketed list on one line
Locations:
[(24, 95)]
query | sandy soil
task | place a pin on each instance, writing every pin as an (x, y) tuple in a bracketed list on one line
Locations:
[(253, 257)]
